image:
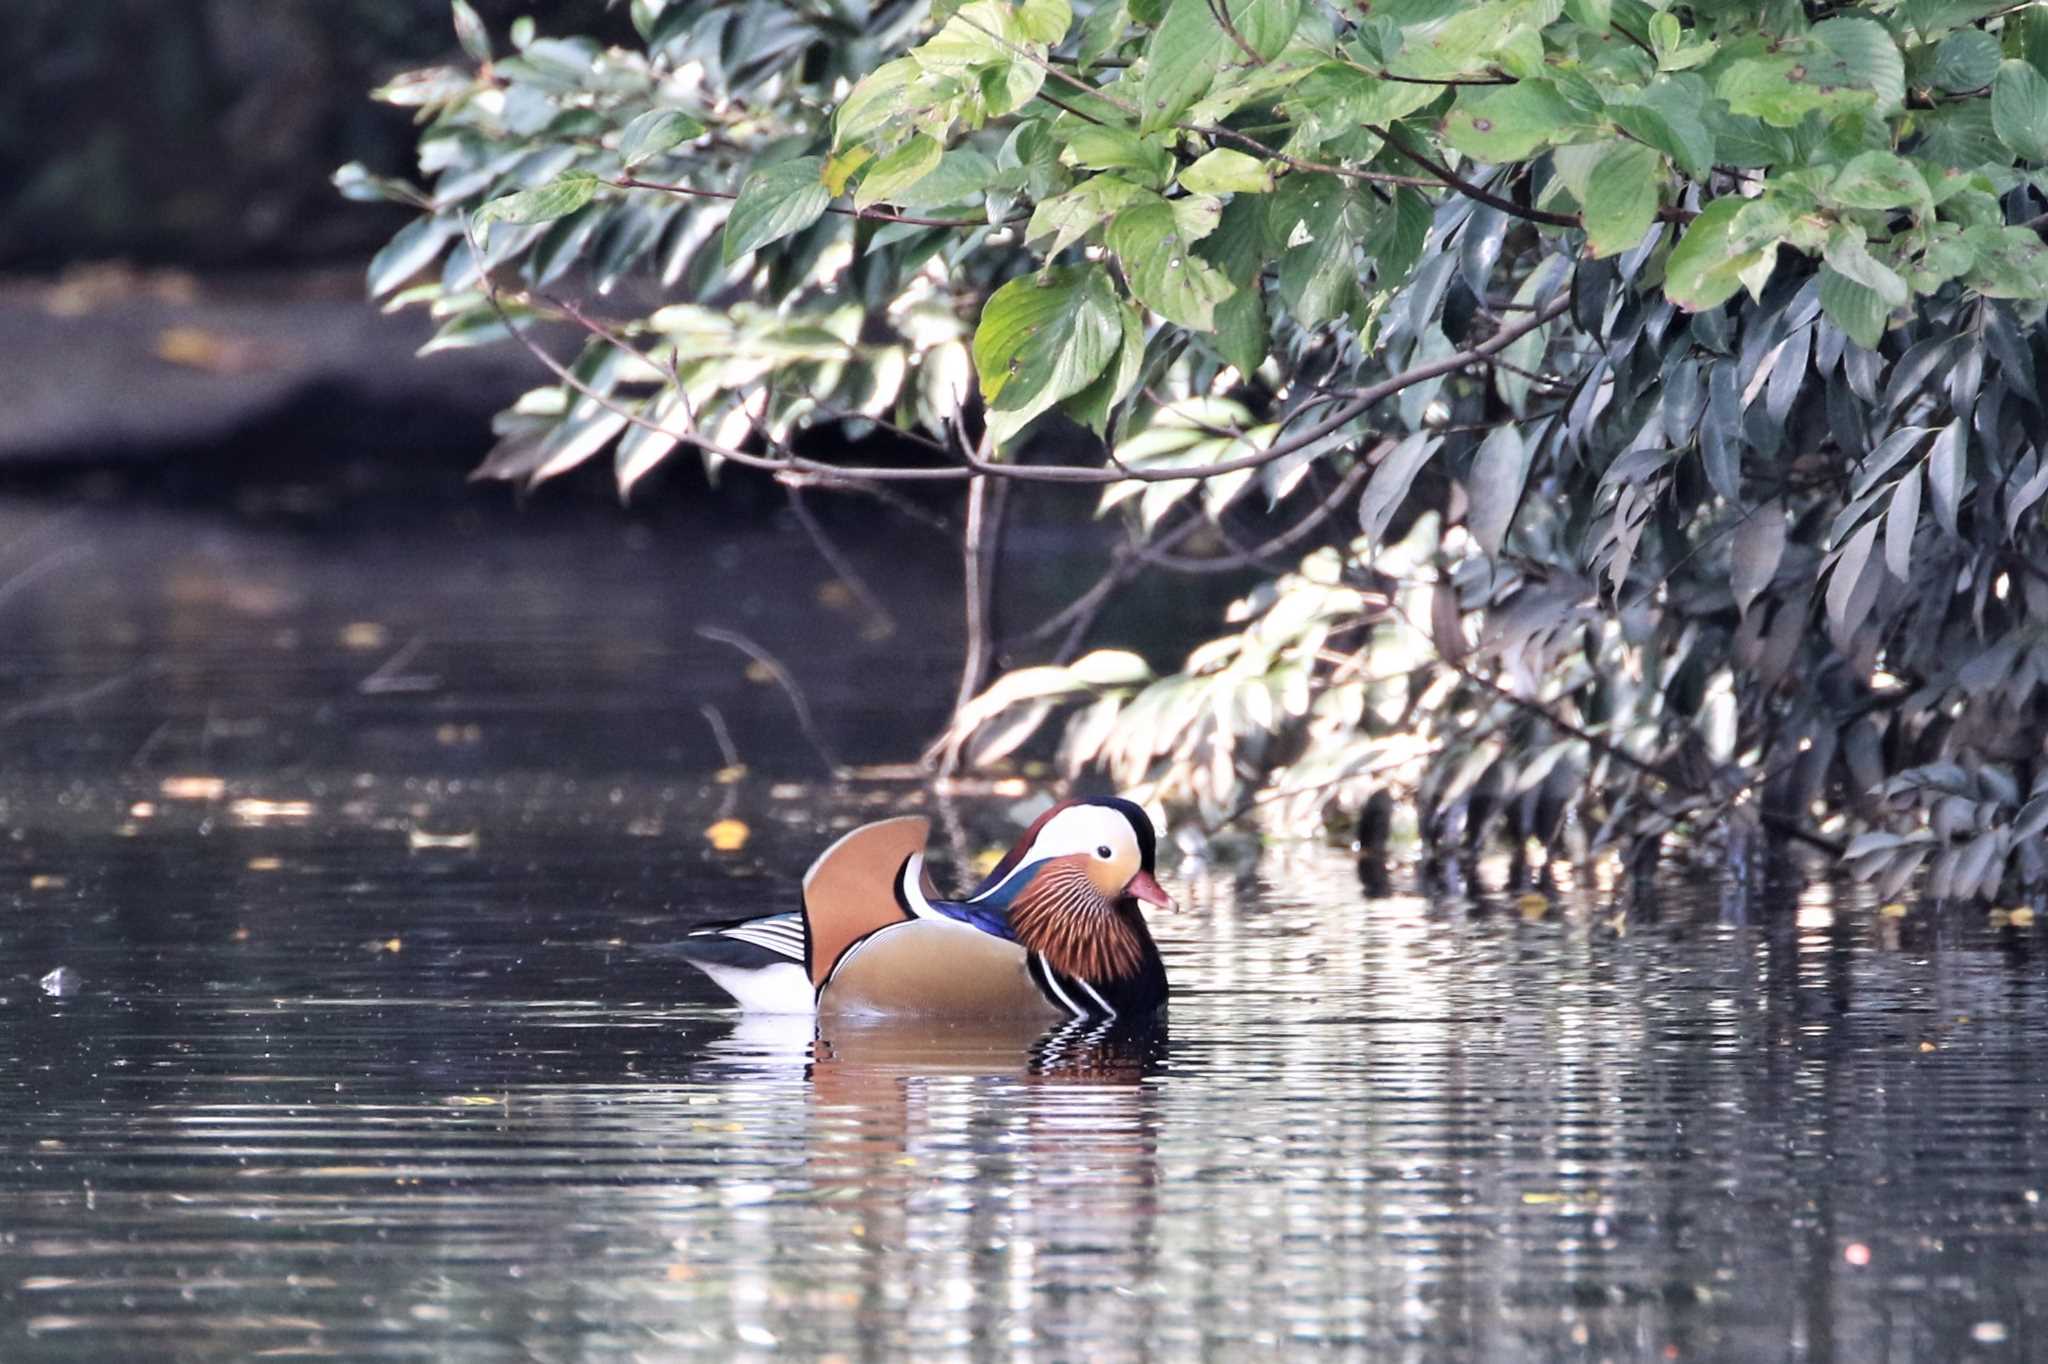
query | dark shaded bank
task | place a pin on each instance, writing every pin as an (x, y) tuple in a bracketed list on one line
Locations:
[(274, 375)]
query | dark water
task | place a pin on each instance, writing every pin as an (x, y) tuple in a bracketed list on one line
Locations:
[(368, 1044)]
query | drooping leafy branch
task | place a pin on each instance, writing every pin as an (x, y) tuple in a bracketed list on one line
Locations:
[(1686, 363)]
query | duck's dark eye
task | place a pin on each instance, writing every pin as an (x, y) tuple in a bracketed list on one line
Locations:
[(1103, 852)]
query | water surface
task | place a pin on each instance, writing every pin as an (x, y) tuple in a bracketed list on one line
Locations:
[(382, 1052)]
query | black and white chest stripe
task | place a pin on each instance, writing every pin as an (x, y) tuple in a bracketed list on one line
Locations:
[(1077, 997)]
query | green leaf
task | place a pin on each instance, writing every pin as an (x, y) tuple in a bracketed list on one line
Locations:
[(1960, 135), (1069, 217), (1753, 553), (898, 171), (1092, 405), (416, 246), (1901, 519), (2010, 262), (1966, 60), (1861, 55), (1043, 337), (882, 95), (1879, 179), (1319, 222), (471, 33), (1395, 240), (1853, 307), (356, 182), (1946, 460), (774, 202), (1592, 14), (1101, 148), (654, 132), (1670, 118), (1266, 25), (1225, 171), (1848, 255), (962, 173), (2019, 109), (1707, 265), (1843, 64), (1847, 605), (1044, 21), (1508, 123), (1494, 489), (1242, 333), (557, 200), (1151, 243), (1621, 197), (1185, 55), (1389, 485), (1101, 31), (1455, 40)]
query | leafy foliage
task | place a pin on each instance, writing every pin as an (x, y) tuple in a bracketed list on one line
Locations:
[(1682, 366)]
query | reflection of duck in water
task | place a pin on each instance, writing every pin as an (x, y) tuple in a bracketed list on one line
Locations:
[(1053, 932), (878, 1046)]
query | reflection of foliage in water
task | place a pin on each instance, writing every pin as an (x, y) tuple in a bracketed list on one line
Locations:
[(1682, 371)]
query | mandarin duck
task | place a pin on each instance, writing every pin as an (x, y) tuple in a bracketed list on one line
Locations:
[(1054, 931)]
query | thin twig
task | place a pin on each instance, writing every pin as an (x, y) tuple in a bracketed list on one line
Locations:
[(881, 622), (1246, 558), (1467, 188), (783, 680), (1082, 610), (720, 735), (1082, 474)]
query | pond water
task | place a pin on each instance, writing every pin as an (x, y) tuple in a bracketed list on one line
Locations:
[(340, 1024)]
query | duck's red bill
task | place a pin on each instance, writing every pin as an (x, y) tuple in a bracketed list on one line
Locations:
[(1143, 887)]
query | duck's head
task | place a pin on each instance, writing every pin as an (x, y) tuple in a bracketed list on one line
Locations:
[(1107, 839), (1072, 885)]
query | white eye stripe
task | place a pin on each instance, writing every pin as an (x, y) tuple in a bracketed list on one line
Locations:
[(1091, 830)]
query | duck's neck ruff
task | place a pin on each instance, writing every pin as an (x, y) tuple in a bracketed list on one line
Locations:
[(1062, 916)]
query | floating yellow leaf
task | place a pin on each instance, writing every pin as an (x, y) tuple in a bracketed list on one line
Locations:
[(363, 634), (760, 673), (728, 835), (1894, 910), (46, 881), (264, 863), (726, 776), (1532, 904), (2023, 917)]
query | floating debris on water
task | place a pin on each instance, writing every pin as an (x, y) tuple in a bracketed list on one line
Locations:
[(192, 788), (728, 835), (420, 838), (61, 982), (250, 810)]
